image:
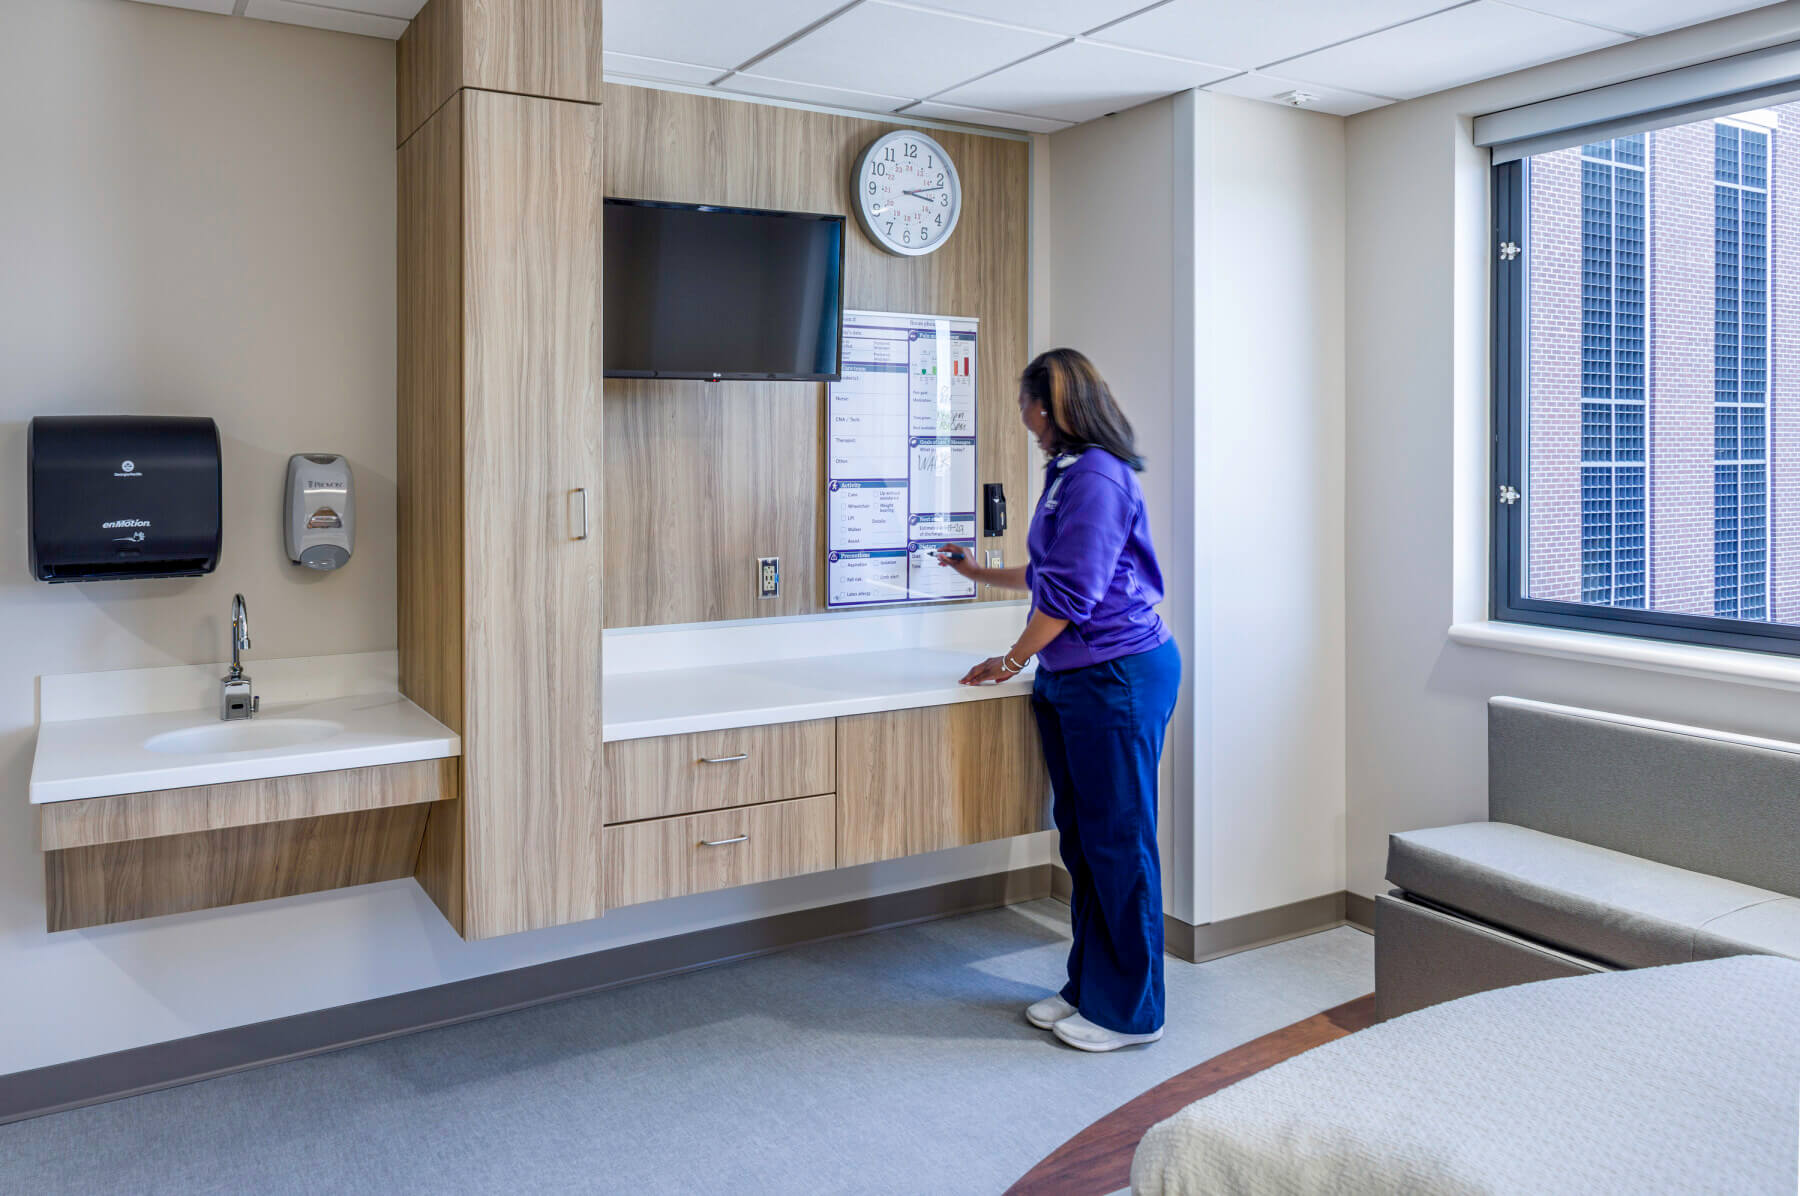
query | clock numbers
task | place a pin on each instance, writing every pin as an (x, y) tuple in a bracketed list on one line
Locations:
[(908, 203)]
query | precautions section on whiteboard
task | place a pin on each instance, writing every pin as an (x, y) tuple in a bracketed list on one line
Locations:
[(902, 474)]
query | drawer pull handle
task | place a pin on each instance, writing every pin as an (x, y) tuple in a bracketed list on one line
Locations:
[(724, 759), (724, 842)]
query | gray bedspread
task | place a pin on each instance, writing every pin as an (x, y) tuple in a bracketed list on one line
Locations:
[(1674, 1079)]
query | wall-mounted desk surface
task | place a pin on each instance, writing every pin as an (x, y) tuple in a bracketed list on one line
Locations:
[(638, 705)]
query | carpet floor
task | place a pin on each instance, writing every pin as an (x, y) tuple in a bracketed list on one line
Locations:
[(890, 1062)]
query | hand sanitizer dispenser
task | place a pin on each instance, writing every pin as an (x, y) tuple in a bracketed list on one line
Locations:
[(321, 511)]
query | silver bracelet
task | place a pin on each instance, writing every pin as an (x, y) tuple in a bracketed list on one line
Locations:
[(1007, 661)]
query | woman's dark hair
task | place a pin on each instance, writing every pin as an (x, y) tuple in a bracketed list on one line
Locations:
[(1082, 411)]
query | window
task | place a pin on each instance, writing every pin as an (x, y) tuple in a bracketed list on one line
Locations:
[(1647, 418)]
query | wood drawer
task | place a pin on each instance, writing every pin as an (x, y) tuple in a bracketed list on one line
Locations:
[(932, 777), (716, 770), (696, 853)]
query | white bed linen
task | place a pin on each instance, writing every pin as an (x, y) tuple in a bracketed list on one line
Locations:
[(1674, 1079)]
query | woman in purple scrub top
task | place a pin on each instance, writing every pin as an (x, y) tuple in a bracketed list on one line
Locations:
[(1105, 688)]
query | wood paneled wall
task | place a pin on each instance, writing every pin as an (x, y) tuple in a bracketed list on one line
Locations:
[(703, 478)]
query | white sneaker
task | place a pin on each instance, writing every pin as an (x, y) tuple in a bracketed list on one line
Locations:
[(1046, 1013), (1084, 1035)]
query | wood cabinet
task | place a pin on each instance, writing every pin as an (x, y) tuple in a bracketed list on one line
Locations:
[(938, 776), (500, 465), (672, 857), (714, 770), (527, 47)]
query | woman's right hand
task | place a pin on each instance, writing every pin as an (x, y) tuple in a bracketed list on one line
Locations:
[(955, 556)]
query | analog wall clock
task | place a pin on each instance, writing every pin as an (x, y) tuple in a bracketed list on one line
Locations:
[(908, 196)]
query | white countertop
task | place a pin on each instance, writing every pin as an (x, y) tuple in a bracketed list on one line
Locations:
[(98, 757), (641, 704)]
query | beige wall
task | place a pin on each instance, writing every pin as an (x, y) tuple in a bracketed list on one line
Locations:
[(1418, 452), (1196, 252), (196, 218)]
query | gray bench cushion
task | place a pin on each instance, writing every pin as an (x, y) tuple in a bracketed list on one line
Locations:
[(1609, 906)]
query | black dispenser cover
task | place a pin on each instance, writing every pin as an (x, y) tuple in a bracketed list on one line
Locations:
[(121, 496)]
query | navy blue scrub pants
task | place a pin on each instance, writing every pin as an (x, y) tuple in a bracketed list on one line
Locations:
[(1102, 728)]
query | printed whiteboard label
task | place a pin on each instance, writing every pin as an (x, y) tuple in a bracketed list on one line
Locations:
[(869, 515), (927, 579), (866, 578)]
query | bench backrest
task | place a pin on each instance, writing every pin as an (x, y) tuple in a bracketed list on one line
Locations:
[(1709, 801)]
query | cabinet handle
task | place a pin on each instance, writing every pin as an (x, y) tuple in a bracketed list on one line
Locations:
[(724, 842), (582, 491), (724, 759)]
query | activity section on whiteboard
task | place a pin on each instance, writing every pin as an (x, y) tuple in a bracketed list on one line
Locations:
[(941, 390), (869, 514), (929, 578)]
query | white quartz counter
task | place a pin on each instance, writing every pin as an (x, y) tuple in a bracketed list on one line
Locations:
[(98, 757), (637, 705)]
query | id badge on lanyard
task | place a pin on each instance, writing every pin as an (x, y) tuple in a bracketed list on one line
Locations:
[(1063, 462)]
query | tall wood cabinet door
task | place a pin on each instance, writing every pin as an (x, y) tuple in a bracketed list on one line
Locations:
[(918, 780), (532, 188)]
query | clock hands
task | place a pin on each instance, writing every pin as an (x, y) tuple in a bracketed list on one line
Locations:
[(922, 190)]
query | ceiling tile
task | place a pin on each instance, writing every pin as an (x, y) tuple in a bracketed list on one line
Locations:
[(813, 93), (900, 51), (1054, 16), (219, 6), (721, 33), (400, 10), (1082, 80), (293, 12), (656, 68), (1642, 16), (1459, 46), (1336, 101), (1252, 35), (934, 110)]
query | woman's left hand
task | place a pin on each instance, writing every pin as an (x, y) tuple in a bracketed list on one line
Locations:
[(992, 669)]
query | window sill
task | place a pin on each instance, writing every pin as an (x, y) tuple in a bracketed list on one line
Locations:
[(1631, 652)]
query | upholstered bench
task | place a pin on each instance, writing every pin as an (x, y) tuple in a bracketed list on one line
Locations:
[(1612, 843)]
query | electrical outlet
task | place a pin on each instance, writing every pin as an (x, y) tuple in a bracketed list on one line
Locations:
[(994, 559), (768, 576)]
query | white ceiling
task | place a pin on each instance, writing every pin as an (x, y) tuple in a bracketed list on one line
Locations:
[(1042, 65)]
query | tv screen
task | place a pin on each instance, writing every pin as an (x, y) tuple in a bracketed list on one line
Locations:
[(694, 291)]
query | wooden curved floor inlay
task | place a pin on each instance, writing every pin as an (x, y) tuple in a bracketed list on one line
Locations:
[(1098, 1159)]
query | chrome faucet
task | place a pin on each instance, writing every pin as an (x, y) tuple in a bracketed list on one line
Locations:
[(236, 699)]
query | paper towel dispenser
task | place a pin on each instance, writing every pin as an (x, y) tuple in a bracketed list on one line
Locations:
[(122, 496)]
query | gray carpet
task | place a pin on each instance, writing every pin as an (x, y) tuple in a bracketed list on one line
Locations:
[(891, 1062)]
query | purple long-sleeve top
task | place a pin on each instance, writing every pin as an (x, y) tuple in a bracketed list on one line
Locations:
[(1092, 562)]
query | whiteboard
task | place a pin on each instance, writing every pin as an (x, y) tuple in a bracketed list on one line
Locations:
[(902, 458)]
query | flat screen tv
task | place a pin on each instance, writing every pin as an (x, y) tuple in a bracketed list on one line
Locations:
[(695, 291)]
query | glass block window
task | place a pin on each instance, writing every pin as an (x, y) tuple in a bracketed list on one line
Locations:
[(1740, 371), (1613, 528)]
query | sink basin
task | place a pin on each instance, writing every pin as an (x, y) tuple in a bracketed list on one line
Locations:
[(247, 735)]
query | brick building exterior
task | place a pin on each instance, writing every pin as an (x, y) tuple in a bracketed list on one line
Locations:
[(1663, 355)]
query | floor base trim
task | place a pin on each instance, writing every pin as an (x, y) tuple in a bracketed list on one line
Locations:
[(143, 1069), (1197, 944)]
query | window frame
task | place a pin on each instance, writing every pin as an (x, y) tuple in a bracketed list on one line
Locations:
[(1507, 527)]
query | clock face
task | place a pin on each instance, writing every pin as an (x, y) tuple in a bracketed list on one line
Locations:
[(907, 193)]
